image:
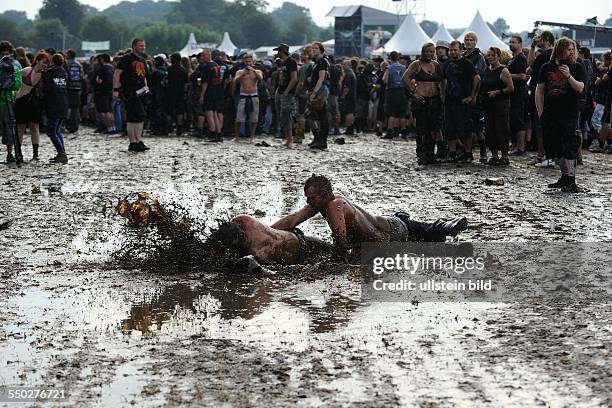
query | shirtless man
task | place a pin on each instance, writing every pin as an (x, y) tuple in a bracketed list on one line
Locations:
[(247, 78), (248, 236), (351, 225)]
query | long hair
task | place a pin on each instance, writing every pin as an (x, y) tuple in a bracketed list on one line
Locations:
[(561, 46), (426, 46)]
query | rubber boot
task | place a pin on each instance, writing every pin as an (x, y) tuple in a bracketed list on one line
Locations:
[(34, 152), (436, 231), (483, 150), (561, 182)]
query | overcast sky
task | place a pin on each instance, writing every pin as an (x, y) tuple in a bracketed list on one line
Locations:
[(520, 14)]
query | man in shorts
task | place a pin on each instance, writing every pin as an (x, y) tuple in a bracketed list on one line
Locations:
[(248, 105)]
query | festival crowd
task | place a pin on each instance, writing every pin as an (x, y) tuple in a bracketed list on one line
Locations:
[(454, 99)]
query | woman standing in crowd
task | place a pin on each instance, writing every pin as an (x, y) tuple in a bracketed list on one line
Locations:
[(56, 104), (28, 102), (495, 89), (318, 95), (424, 79)]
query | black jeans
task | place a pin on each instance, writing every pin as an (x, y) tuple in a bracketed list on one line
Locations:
[(8, 128)]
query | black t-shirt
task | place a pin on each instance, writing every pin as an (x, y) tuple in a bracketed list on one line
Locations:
[(284, 75), (559, 97), (540, 60), (177, 78), (518, 65), (134, 72), (459, 76), (350, 82), (335, 72), (320, 65), (211, 74), (105, 73)]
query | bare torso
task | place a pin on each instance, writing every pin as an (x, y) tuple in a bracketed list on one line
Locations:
[(248, 80), (361, 226), (268, 245)]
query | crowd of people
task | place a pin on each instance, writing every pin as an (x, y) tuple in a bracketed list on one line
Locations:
[(453, 98)]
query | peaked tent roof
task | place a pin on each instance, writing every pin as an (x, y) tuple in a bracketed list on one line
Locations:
[(193, 47), (408, 39), (227, 46), (442, 34), (486, 37)]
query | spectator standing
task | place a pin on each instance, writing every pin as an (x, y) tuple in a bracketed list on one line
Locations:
[(475, 56), (177, 82), (518, 100), (75, 79), (28, 109), (495, 90), (318, 94), (395, 94), (560, 83), (349, 96), (285, 92), (55, 82), (103, 92), (130, 77), (10, 82)]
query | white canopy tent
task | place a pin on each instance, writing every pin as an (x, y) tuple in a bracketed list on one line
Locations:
[(227, 46), (408, 39), (442, 34), (486, 37), (193, 47)]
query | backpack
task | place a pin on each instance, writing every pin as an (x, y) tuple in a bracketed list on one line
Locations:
[(75, 72), (7, 75), (396, 72)]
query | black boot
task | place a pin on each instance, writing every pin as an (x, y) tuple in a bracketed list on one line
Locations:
[(561, 182), (570, 186), (436, 231), (34, 152)]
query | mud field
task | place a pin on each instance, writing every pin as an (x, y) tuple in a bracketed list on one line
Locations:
[(113, 335)]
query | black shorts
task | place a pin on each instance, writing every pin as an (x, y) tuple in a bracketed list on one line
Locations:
[(27, 110), (134, 108), (518, 104), (348, 106), (457, 120), (560, 138), (103, 102), (312, 249), (396, 103)]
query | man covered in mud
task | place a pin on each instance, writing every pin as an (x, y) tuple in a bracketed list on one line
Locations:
[(351, 225)]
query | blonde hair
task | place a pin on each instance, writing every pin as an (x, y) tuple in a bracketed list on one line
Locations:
[(561, 46), (471, 34)]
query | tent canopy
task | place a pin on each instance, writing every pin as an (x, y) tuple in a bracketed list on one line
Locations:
[(408, 39), (193, 47), (227, 46), (486, 37), (442, 34)]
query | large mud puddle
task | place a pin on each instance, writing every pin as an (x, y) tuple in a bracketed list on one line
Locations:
[(116, 334)]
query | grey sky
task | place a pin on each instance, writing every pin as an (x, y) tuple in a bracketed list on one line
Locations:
[(520, 14)]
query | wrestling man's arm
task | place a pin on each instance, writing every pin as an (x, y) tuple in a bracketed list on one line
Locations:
[(291, 221)]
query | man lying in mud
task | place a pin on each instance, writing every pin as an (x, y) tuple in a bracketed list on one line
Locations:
[(351, 225)]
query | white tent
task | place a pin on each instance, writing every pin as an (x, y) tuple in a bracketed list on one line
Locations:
[(227, 46), (408, 39), (486, 37), (442, 35), (193, 47)]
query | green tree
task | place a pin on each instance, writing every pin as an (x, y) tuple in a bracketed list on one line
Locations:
[(9, 30), (196, 11), (101, 28), (259, 29), (69, 12), (300, 30), (500, 26), (326, 33), (49, 33), (288, 11), (18, 17), (166, 38), (430, 27)]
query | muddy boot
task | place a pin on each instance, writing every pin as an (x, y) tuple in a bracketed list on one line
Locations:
[(483, 150), (436, 231), (561, 182), (299, 136), (35, 152), (247, 265)]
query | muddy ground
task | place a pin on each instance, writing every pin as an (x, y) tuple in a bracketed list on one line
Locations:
[(115, 336)]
